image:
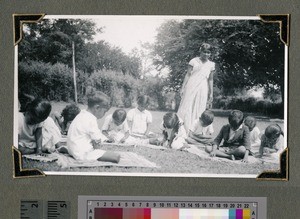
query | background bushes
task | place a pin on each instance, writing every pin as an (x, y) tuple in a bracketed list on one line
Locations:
[(52, 82), (55, 82), (249, 105)]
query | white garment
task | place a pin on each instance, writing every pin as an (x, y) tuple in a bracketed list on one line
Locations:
[(180, 137), (255, 139), (140, 120), (51, 135), (198, 129), (109, 125), (279, 146), (195, 93), (26, 133), (82, 131)]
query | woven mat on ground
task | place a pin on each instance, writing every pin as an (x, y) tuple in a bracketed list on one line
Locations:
[(251, 159), (128, 159), (45, 158), (131, 145)]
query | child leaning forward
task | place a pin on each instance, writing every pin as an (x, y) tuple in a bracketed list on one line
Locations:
[(235, 136), (115, 127), (202, 129), (174, 134), (84, 130), (31, 120), (272, 142)]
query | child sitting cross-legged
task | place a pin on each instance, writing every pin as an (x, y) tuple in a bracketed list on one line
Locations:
[(115, 126), (202, 129), (84, 134), (140, 118), (235, 136)]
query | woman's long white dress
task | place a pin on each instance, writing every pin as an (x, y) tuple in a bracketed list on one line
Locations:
[(195, 93)]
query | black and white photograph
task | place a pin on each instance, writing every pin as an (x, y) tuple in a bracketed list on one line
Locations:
[(171, 96)]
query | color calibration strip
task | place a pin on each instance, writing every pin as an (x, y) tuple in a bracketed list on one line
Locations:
[(117, 207), (159, 213)]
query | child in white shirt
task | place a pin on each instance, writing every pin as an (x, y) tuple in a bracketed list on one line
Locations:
[(140, 118), (202, 129), (84, 131), (254, 133), (115, 126)]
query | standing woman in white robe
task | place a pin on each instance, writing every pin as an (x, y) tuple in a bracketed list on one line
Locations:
[(197, 88)]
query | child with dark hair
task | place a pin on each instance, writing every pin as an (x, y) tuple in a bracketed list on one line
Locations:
[(33, 113), (84, 130), (272, 143), (140, 118), (115, 126), (235, 136), (174, 134), (202, 129), (64, 119), (250, 122)]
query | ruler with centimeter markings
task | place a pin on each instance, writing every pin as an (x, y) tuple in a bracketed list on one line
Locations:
[(120, 207), (37, 209)]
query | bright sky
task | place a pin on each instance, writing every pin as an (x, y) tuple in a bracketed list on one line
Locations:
[(128, 32)]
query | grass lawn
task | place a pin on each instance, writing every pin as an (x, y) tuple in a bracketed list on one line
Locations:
[(169, 160)]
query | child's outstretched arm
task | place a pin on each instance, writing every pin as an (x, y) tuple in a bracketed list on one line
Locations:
[(261, 149), (106, 134), (247, 144), (39, 140), (126, 135), (147, 130)]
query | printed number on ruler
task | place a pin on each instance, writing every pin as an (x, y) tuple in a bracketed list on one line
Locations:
[(34, 209)]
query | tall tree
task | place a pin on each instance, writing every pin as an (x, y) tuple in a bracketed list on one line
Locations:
[(247, 52), (51, 40), (103, 56)]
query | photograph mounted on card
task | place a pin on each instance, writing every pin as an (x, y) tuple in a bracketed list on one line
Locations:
[(171, 96)]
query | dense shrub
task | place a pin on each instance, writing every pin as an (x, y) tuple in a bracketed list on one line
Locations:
[(52, 82), (122, 89), (249, 104)]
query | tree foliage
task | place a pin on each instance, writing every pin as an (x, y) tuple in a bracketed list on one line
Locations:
[(102, 56), (50, 41), (248, 53)]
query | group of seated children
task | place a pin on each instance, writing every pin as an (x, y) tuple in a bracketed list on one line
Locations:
[(39, 132)]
